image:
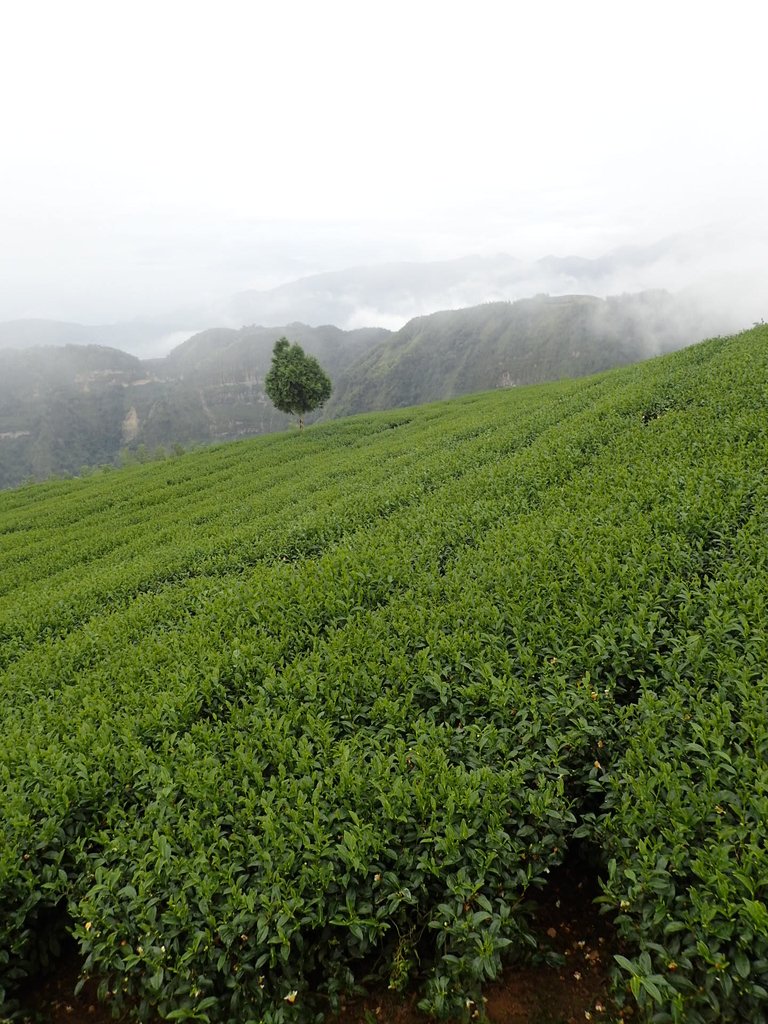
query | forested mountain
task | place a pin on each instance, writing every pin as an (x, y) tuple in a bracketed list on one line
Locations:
[(62, 407), (65, 408), (233, 356), (392, 293), (505, 344)]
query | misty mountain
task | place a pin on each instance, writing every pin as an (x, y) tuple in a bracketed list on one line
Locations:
[(231, 355), (392, 293), (139, 338), (389, 291), (82, 405), (63, 408), (504, 344)]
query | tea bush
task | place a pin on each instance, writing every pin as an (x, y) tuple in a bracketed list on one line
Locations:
[(287, 715)]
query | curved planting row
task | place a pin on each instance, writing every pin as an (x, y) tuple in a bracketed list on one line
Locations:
[(351, 737)]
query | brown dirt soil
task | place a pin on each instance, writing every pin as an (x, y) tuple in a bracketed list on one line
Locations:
[(575, 992), (51, 1000)]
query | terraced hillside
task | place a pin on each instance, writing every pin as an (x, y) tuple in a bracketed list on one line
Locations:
[(293, 712)]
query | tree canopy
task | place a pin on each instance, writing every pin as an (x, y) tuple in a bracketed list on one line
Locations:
[(296, 383)]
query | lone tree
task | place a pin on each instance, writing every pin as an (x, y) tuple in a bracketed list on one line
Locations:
[(296, 383)]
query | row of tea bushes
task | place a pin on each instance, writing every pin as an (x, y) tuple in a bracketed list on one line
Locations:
[(292, 713)]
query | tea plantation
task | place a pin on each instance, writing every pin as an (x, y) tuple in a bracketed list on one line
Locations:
[(290, 713)]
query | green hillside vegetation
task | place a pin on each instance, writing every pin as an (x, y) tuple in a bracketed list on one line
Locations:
[(288, 713), (61, 410), (502, 344), (234, 355)]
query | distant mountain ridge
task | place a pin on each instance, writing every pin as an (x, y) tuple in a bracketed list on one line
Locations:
[(391, 294), (136, 337), (64, 408), (244, 353), (503, 344)]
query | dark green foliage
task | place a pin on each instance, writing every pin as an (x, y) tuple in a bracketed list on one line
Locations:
[(282, 715), (296, 383)]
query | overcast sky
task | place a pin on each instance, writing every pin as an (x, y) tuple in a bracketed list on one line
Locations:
[(158, 152)]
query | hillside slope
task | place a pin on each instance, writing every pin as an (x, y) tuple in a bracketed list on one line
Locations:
[(501, 344), (286, 713), (73, 406), (236, 355), (61, 407), (76, 410)]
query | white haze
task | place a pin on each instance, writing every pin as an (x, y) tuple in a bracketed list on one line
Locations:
[(157, 159), (163, 344)]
